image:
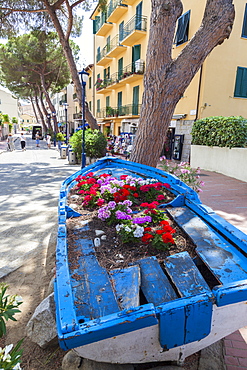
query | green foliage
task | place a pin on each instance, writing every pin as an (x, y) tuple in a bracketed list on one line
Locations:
[(5, 118), (95, 143), (9, 355), (220, 131), (60, 136)]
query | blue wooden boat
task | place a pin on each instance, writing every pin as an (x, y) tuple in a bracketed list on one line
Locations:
[(189, 303)]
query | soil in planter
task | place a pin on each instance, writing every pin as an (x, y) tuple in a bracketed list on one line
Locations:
[(112, 253)]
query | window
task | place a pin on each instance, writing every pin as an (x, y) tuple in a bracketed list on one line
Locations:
[(90, 105), (98, 56), (241, 83), (98, 105), (108, 44), (90, 83), (107, 73), (182, 29), (135, 100), (244, 29), (107, 101), (138, 25), (120, 68), (121, 31)]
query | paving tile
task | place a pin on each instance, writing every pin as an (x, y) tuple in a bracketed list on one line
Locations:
[(236, 352), (232, 367), (231, 360), (239, 344), (243, 361), (235, 336), (228, 343)]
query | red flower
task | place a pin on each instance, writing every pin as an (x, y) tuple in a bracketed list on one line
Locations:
[(104, 175), (167, 185), (136, 195), (160, 197), (167, 238), (147, 228), (89, 174), (144, 204), (100, 202), (123, 177), (160, 231), (147, 237), (164, 222)]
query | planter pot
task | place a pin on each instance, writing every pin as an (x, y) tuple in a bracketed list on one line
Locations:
[(229, 162)]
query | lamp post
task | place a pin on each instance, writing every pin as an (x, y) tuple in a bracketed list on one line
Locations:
[(84, 77), (66, 122)]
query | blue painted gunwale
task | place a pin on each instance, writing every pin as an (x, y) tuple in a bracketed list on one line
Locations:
[(73, 333)]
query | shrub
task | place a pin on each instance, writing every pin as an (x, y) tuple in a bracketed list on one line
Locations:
[(60, 136), (95, 143), (220, 131)]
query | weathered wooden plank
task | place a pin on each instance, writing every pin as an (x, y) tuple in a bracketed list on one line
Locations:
[(225, 261), (91, 286), (185, 275), (185, 320), (154, 283), (126, 284)]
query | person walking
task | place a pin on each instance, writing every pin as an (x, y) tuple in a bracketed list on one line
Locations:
[(48, 140), (10, 142), (23, 142), (37, 138)]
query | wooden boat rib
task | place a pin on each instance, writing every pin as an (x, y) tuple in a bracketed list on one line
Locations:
[(99, 313)]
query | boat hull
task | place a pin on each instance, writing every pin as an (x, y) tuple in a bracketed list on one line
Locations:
[(183, 313)]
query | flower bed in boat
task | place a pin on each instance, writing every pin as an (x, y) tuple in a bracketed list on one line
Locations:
[(123, 218)]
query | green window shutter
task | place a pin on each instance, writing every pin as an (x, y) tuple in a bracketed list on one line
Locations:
[(136, 53), (138, 25), (105, 74), (90, 105), (135, 109), (107, 101), (183, 28), (98, 105), (121, 31), (119, 99), (241, 83), (120, 68), (98, 76), (96, 22), (244, 29), (90, 83)]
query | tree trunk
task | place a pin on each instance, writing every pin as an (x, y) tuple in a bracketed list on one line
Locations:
[(40, 113), (72, 66), (165, 79)]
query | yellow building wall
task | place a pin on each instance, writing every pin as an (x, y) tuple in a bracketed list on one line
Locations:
[(211, 91)]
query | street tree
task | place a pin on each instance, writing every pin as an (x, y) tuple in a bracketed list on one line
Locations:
[(33, 63), (59, 15), (166, 78)]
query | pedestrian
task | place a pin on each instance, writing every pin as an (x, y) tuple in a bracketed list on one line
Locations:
[(37, 138), (23, 142), (48, 140), (10, 142)]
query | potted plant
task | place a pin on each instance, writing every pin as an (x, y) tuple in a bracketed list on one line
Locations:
[(60, 139)]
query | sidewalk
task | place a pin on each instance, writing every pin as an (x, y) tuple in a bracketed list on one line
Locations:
[(228, 198)]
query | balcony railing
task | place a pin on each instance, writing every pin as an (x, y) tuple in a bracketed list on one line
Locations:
[(124, 110), (108, 49), (115, 5), (138, 22), (135, 68)]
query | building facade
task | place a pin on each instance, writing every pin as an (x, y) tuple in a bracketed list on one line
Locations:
[(121, 32)]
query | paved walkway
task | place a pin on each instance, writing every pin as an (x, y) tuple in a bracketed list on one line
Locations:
[(228, 198)]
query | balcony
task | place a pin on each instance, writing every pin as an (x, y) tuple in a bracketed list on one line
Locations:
[(129, 2), (134, 30), (102, 58), (115, 47), (101, 27), (123, 111), (129, 74), (115, 10)]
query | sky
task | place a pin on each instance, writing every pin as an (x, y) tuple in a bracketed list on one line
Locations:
[(85, 41)]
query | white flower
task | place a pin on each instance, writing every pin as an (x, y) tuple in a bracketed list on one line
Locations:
[(139, 231), (128, 229), (6, 356), (118, 227), (17, 366)]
